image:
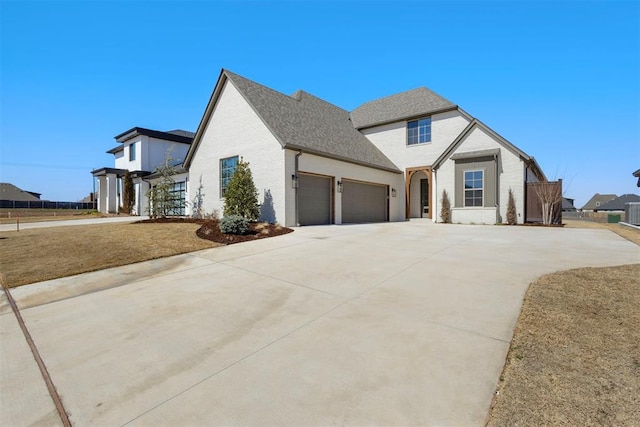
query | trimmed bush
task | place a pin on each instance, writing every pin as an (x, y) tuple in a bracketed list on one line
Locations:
[(445, 211), (234, 224), (512, 217)]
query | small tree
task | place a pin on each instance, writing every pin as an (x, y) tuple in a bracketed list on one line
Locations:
[(128, 195), (512, 217), (241, 196), (445, 211), (550, 196), (161, 199)]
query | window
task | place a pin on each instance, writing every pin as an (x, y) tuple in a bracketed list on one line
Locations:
[(419, 131), (228, 167), (473, 188), (132, 151), (177, 198)]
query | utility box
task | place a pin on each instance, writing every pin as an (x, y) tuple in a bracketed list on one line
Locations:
[(613, 218), (632, 213)]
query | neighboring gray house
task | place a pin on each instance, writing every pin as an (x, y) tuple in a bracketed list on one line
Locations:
[(388, 160), (13, 193), (637, 175), (567, 205), (618, 204), (594, 203)]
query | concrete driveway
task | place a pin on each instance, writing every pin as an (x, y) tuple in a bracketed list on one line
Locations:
[(396, 324)]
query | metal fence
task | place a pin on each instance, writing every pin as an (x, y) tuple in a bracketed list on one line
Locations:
[(45, 204)]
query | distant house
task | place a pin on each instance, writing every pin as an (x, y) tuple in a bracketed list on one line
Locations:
[(637, 175), (594, 203), (13, 193), (618, 204), (141, 151), (567, 205)]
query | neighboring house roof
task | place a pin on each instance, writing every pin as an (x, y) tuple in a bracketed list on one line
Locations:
[(618, 204), (174, 135), (567, 204), (11, 192), (182, 133), (637, 175), (114, 150), (598, 200), (411, 104), (301, 122), (475, 123), (118, 172)]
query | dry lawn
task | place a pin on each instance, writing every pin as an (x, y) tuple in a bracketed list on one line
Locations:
[(48, 253), (9, 216), (575, 355), (629, 233)]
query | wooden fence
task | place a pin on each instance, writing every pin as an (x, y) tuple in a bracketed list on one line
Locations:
[(552, 190)]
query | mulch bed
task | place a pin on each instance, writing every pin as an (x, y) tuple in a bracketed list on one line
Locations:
[(210, 230)]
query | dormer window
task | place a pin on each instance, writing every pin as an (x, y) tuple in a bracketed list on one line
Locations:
[(132, 151), (419, 131)]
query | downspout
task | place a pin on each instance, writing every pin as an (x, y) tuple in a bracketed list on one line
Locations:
[(495, 160), (296, 187)]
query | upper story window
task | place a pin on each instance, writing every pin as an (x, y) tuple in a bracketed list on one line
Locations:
[(473, 188), (132, 151), (419, 131), (228, 167)]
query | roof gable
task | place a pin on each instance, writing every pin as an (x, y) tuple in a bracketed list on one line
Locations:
[(300, 122), (598, 200), (410, 104), (618, 204), (474, 124)]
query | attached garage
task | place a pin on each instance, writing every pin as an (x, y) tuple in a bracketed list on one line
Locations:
[(314, 199), (364, 202)]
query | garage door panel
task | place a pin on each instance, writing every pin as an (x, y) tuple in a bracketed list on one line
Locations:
[(362, 202), (314, 200)]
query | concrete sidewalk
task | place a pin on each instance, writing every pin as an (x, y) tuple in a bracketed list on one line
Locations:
[(397, 324), (63, 223)]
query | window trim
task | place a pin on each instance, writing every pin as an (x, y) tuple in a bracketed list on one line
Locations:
[(465, 189), (414, 144), (224, 187)]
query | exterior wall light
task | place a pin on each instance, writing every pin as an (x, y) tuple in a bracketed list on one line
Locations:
[(339, 186), (295, 183), (393, 192)]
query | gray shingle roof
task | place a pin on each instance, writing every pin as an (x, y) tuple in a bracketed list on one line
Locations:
[(308, 123), (410, 104), (617, 204), (11, 192), (598, 200)]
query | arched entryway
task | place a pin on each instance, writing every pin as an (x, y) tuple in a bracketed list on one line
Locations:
[(418, 191)]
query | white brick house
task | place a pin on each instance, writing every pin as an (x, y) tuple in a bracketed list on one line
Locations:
[(387, 160)]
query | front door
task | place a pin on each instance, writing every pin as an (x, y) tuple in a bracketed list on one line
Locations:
[(424, 198)]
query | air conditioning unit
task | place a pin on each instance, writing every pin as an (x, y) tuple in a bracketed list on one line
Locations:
[(632, 213)]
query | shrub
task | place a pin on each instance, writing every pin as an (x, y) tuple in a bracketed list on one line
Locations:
[(445, 212), (241, 196), (512, 218), (234, 224)]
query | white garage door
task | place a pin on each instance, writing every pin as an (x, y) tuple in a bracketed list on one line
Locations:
[(314, 199), (362, 202)]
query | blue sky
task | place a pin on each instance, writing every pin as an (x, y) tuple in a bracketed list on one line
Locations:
[(561, 80)]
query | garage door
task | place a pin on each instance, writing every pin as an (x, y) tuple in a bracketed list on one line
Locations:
[(363, 202), (314, 199)]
